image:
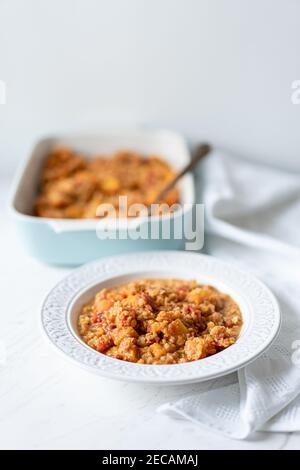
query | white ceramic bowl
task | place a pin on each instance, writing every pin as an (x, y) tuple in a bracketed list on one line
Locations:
[(260, 311)]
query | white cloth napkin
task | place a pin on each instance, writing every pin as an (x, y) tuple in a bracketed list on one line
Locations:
[(253, 221)]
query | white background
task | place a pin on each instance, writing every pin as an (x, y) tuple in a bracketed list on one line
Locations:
[(215, 69)]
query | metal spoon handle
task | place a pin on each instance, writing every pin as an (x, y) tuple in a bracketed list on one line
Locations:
[(199, 153)]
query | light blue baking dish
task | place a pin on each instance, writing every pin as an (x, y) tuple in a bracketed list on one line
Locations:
[(73, 242)]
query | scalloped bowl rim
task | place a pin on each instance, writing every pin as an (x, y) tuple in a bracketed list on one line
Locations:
[(259, 307)]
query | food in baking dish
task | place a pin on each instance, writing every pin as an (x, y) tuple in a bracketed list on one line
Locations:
[(73, 186), (160, 321)]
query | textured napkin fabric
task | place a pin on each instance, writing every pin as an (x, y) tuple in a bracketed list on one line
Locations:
[(253, 221)]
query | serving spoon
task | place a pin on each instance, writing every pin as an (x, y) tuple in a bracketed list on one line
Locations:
[(200, 152)]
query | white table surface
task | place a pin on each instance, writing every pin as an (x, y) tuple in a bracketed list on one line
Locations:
[(49, 403)]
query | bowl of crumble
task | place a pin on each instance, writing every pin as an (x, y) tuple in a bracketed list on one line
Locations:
[(161, 317)]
